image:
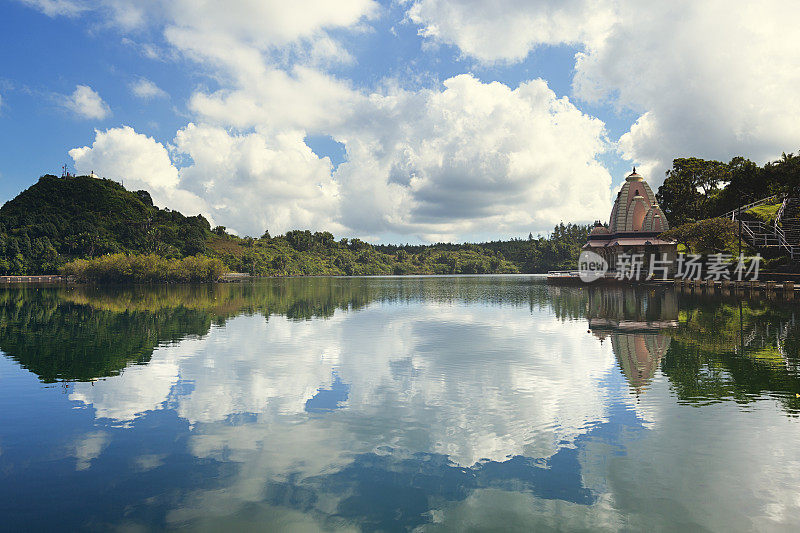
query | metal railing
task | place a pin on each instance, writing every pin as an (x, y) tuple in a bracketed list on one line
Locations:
[(760, 234), (779, 215), (794, 251), (562, 273)]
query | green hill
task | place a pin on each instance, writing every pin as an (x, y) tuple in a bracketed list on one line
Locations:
[(59, 219)]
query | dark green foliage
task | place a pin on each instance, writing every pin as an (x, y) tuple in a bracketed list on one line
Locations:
[(714, 235), (301, 241), (144, 196), (696, 189), (690, 187), (58, 339), (302, 253), (705, 361)]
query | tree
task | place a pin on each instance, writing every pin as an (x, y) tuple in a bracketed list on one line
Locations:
[(690, 189), (300, 240), (746, 185), (714, 235), (783, 176), (325, 238)]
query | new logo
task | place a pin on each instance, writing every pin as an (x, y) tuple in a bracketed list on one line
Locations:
[(591, 266)]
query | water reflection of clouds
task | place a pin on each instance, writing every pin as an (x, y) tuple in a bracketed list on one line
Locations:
[(138, 389), (477, 388), (480, 386)]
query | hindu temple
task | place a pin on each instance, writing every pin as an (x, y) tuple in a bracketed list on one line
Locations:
[(634, 226)]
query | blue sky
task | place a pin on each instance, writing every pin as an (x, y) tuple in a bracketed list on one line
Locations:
[(405, 121)]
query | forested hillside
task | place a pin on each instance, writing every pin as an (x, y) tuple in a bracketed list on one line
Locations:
[(59, 220)]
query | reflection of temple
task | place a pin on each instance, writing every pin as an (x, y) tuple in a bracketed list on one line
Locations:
[(631, 309), (634, 320), (638, 355)]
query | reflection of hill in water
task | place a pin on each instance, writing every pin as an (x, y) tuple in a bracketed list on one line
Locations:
[(711, 349), (61, 340), (82, 333)]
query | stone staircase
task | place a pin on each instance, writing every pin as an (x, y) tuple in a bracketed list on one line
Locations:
[(789, 220)]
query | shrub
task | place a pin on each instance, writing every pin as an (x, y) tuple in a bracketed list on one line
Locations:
[(121, 268)]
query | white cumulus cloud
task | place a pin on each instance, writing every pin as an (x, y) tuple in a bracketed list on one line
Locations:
[(466, 156), (471, 157), (254, 182), (447, 162), (263, 24), (141, 163), (86, 103), (147, 90), (711, 79), (267, 23), (508, 30)]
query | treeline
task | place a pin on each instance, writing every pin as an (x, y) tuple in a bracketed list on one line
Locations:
[(302, 252), (697, 189), (697, 192)]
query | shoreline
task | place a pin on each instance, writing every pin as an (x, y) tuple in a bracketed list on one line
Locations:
[(767, 280), (231, 277)]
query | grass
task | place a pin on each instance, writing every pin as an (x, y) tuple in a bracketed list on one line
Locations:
[(765, 213)]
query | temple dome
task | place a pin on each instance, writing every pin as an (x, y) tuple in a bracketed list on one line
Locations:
[(633, 176), (636, 208)]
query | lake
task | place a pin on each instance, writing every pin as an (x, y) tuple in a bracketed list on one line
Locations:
[(396, 404)]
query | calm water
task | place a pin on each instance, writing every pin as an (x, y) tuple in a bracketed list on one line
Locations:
[(397, 404)]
